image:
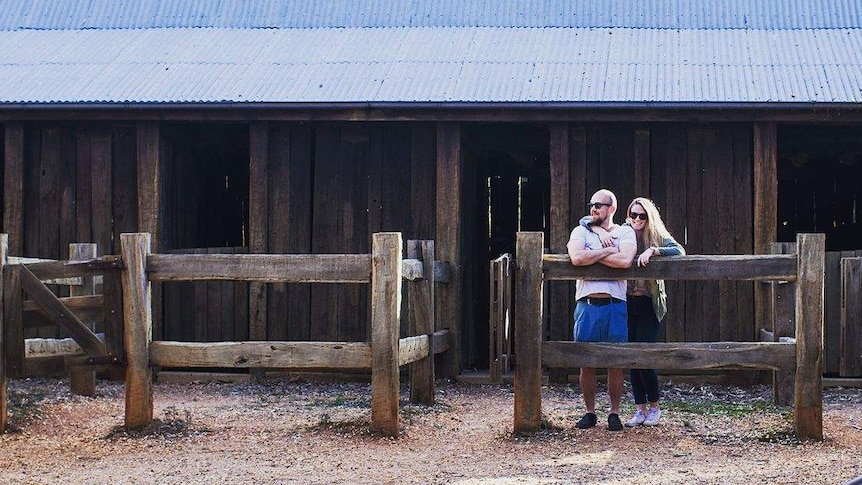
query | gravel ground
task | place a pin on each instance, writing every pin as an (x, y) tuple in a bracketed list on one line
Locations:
[(295, 431)]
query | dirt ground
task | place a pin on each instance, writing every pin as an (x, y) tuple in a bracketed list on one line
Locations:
[(296, 431)]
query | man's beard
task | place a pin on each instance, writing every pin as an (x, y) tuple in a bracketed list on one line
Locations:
[(597, 220)]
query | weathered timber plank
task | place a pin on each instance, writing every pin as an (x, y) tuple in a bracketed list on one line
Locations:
[(4, 410), (442, 272), (266, 268), (278, 226), (213, 310), (765, 141), (13, 321), (151, 216), (87, 308), (440, 341), (13, 186), (124, 193), (61, 314), (299, 222), (677, 356), (449, 227), (327, 226), (274, 355), (67, 189), (412, 349), (808, 415), (101, 193), (49, 194), (385, 327), (420, 314), (694, 267), (832, 313), (694, 291), (528, 331), (674, 212), (84, 185), (112, 318), (412, 270), (851, 317), (258, 208), (76, 303), (743, 231), (423, 181), (560, 224), (784, 317), (32, 180), (138, 329), (64, 270)]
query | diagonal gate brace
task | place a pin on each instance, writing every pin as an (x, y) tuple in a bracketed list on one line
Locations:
[(61, 314)]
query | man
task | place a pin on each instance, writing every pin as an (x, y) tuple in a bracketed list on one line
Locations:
[(600, 312)]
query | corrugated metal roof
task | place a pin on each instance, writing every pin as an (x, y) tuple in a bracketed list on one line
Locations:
[(464, 64), (244, 14)]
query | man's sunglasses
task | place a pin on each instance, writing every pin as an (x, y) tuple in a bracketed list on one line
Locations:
[(638, 215), (597, 205)]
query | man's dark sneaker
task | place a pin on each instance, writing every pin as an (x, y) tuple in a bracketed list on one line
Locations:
[(587, 421), (614, 423)]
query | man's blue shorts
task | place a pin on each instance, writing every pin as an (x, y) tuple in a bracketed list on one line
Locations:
[(601, 323)]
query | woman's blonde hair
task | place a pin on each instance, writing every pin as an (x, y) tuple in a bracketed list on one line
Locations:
[(655, 231)]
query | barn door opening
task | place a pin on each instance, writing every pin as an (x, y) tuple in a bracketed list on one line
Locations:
[(206, 170), (508, 191), (819, 168)]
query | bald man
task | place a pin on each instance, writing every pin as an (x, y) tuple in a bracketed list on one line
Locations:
[(600, 311)]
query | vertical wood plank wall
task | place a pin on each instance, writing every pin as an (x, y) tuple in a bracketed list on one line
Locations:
[(700, 176), (329, 186)]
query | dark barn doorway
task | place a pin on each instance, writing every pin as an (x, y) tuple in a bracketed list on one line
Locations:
[(507, 190), (206, 177), (819, 169), (819, 189)]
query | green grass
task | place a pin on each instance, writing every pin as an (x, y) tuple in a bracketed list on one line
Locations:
[(721, 408)]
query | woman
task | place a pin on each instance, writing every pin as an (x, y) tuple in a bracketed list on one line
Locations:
[(646, 300)]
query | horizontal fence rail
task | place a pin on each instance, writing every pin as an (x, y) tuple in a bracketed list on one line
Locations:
[(245, 355), (50, 271), (265, 268), (677, 356), (778, 267)]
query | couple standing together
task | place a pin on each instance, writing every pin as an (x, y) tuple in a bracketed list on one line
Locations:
[(620, 310)]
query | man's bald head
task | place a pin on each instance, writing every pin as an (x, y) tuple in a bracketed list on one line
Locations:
[(606, 196)]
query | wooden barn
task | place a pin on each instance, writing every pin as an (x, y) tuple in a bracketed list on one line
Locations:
[(300, 126)]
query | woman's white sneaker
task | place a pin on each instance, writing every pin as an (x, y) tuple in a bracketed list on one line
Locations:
[(637, 420), (652, 417)]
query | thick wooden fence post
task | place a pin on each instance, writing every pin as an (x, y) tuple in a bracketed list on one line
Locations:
[(4, 411), (83, 382), (528, 331), (385, 328), (420, 304), (808, 415), (138, 320)]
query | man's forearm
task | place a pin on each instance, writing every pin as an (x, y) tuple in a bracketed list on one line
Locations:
[(621, 260), (586, 257)]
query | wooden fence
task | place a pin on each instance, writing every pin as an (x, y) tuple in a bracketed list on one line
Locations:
[(500, 314), (804, 354), (127, 294), (384, 269)]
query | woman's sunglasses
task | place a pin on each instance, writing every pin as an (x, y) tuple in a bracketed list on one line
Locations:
[(638, 215)]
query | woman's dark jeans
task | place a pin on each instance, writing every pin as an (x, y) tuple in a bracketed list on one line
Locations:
[(643, 327)]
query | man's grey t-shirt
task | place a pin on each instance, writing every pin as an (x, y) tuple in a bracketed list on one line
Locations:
[(621, 236)]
